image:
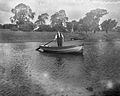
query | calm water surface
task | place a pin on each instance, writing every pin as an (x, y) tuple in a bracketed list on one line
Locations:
[(26, 71)]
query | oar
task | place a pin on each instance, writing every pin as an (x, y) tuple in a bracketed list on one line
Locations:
[(45, 44), (48, 42)]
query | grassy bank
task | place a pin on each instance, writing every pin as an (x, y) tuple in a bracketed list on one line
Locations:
[(103, 36), (19, 36)]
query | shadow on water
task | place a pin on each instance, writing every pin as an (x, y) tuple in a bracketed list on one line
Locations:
[(63, 67), (60, 59)]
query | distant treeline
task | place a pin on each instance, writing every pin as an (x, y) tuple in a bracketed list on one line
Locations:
[(8, 26), (30, 27), (48, 28), (59, 21)]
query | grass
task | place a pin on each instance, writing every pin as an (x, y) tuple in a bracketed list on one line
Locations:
[(7, 36), (19, 36)]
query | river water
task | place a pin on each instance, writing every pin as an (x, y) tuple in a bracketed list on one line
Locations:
[(26, 72)]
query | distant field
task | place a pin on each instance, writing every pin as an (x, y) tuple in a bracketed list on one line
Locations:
[(19, 36)]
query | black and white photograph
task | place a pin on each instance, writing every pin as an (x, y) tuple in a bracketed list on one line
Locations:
[(59, 47)]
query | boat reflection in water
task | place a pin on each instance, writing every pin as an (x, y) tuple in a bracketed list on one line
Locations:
[(56, 72)]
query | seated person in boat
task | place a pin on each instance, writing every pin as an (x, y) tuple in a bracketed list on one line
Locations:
[(59, 38)]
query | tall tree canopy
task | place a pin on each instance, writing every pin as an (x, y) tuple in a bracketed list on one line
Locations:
[(22, 13), (41, 19), (59, 18), (108, 25), (92, 18)]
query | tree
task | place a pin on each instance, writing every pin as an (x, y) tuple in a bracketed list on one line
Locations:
[(117, 28), (59, 18), (41, 20), (22, 14), (92, 18), (72, 26), (83, 28), (108, 25)]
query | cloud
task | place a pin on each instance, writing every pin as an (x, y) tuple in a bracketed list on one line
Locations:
[(4, 7), (107, 1), (4, 17)]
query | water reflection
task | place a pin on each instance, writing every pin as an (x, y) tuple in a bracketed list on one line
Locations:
[(61, 67), (14, 61), (56, 71), (102, 63)]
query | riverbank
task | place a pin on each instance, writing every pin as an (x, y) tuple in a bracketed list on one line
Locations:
[(8, 36), (19, 36)]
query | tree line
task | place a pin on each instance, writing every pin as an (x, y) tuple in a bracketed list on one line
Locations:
[(23, 20)]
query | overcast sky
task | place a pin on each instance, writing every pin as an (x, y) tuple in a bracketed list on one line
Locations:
[(75, 9)]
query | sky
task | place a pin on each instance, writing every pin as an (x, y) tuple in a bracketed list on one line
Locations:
[(75, 9)]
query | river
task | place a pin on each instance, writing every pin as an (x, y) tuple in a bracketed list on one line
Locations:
[(31, 73)]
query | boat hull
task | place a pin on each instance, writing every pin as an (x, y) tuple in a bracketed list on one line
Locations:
[(64, 49)]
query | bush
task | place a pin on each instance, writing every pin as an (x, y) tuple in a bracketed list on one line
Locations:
[(48, 28), (1, 26), (9, 26), (83, 28), (26, 26), (59, 28), (43, 28), (14, 28)]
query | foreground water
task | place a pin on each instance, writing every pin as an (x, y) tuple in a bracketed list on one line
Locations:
[(26, 72)]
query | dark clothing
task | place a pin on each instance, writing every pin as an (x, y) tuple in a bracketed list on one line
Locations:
[(59, 37)]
